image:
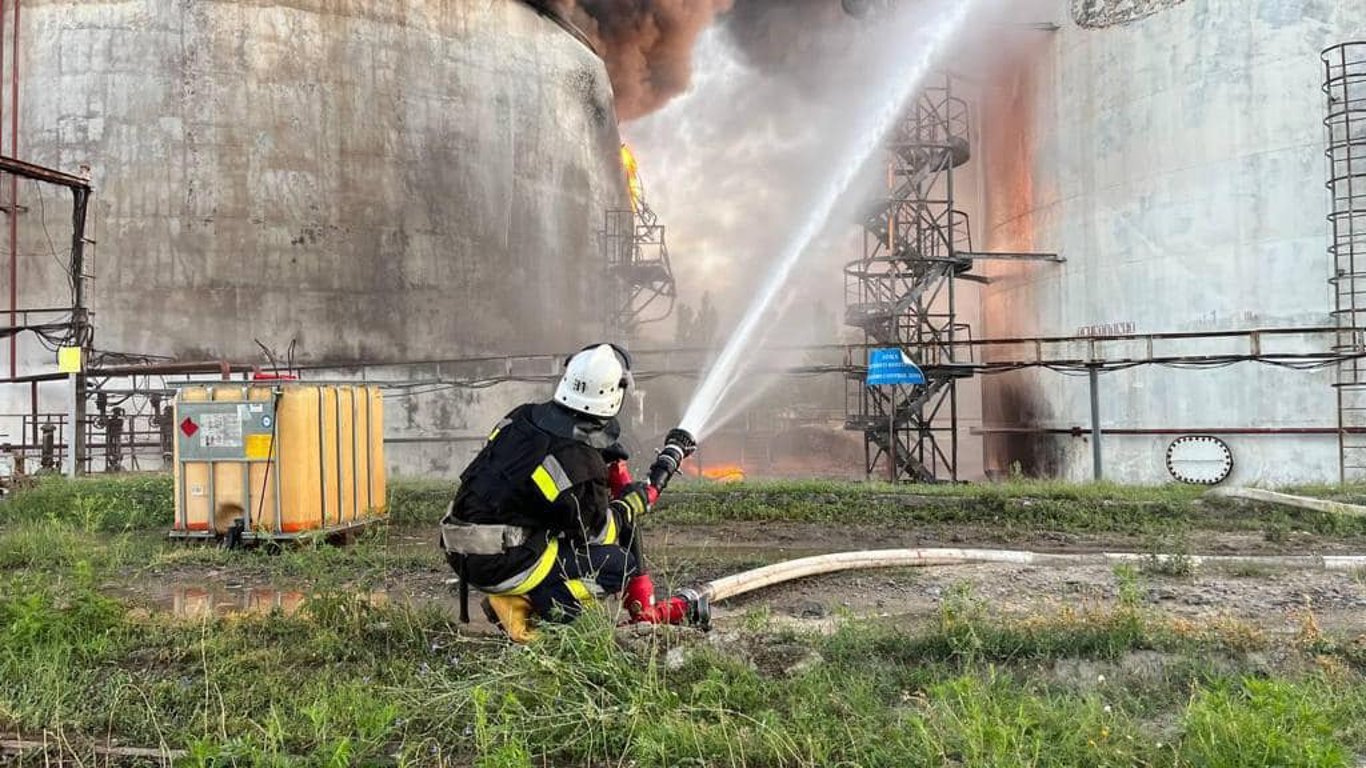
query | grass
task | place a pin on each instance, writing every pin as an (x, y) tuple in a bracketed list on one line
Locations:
[(121, 521), (143, 501), (1012, 506), (140, 502), (146, 559), (347, 682), (103, 503)]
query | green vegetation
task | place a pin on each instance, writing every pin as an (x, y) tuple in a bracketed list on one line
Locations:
[(348, 680), (343, 681), (103, 503), (137, 502), (144, 501), (1012, 506), (419, 502)]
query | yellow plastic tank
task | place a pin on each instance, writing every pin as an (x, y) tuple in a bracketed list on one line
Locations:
[(283, 458)]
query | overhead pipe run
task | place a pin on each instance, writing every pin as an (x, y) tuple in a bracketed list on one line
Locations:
[(223, 368)]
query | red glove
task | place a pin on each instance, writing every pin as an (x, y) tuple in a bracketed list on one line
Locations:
[(618, 477)]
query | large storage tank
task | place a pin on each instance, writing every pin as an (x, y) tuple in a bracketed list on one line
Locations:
[(1173, 153), (380, 181)]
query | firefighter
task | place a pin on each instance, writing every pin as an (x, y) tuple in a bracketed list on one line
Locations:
[(536, 524)]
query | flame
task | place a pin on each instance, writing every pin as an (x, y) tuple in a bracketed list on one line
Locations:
[(637, 190), (722, 473)]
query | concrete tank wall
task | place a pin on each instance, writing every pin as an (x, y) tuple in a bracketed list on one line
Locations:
[(1173, 153), (383, 181)]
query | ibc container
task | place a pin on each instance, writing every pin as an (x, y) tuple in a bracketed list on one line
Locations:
[(284, 459)]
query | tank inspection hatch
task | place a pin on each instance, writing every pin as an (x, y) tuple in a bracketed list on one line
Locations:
[(1199, 460)]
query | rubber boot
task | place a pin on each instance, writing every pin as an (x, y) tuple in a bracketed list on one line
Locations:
[(639, 595), (512, 614)]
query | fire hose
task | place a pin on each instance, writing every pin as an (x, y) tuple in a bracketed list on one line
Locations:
[(679, 445), (778, 573)]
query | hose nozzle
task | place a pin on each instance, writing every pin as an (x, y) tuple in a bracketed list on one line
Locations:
[(678, 445)]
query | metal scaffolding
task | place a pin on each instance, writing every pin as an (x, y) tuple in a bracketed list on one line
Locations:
[(1345, 87), (637, 257), (901, 293), (638, 270)]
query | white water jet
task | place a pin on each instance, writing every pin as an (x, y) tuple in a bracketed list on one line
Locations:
[(910, 45)]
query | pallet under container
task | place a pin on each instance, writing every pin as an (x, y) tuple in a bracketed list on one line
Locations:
[(276, 461)]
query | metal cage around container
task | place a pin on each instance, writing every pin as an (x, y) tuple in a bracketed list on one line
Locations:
[(275, 461)]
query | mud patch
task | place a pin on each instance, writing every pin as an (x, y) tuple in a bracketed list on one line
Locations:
[(405, 567), (1278, 602)]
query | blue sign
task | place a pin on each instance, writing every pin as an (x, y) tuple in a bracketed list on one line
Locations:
[(891, 367)]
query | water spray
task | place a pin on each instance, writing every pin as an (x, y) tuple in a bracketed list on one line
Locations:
[(902, 79)]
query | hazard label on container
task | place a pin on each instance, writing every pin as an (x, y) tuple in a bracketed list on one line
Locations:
[(221, 430), (259, 447), (189, 427)]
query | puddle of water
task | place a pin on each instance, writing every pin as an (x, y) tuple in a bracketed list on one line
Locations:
[(200, 601)]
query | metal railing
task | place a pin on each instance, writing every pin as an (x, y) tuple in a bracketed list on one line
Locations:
[(1344, 86)]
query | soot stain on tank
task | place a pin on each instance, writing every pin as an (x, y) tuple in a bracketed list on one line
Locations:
[(1098, 14), (1017, 404), (596, 99)]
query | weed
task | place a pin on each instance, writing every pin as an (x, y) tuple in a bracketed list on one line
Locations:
[(146, 502), (141, 501), (1169, 555), (1246, 570), (1276, 532), (419, 502), (992, 721), (1129, 587), (757, 618), (1264, 722), (110, 503), (347, 682)]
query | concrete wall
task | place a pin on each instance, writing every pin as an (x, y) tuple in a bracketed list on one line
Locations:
[(1173, 153), (384, 181)]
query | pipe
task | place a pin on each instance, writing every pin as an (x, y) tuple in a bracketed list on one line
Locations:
[(769, 575), (13, 261), (221, 367), (1159, 431), (14, 195), (47, 176), (1286, 500), (1096, 472)]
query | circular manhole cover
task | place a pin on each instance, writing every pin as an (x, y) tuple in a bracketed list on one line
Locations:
[(1199, 460)]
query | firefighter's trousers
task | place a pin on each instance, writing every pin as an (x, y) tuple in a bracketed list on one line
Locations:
[(581, 575)]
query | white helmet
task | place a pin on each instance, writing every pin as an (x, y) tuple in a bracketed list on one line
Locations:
[(595, 381)]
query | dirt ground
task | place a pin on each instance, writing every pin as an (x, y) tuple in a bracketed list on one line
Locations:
[(1274, 600)]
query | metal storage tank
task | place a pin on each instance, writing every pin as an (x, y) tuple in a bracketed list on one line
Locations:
[(380, 181), (1172, 152)]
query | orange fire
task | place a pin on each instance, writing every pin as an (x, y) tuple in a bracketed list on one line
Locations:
[(628, 161), (722, 473)]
